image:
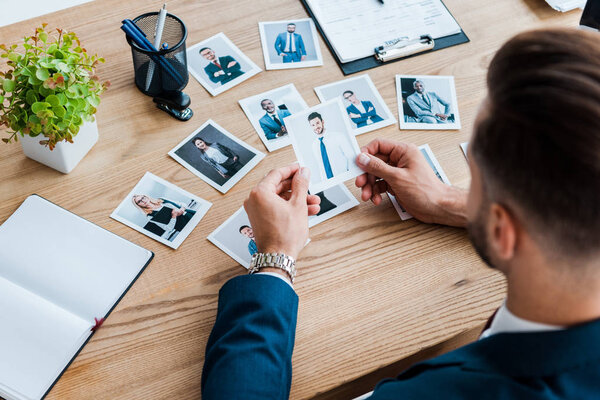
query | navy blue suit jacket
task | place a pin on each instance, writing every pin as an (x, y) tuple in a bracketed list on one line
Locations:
[(248, 356), (362, 120), (230, 73), (269, 126)]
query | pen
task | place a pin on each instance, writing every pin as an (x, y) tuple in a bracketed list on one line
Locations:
[(160, 25), (381, 1)]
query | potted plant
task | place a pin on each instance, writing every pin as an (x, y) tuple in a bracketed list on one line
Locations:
[(49, 97)]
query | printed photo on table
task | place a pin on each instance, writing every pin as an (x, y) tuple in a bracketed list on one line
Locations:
[(334, 201), (290, 44), (267, 112), (161, 210), (216, 156), (218, 64), (324, 141), (427, 102), (236, 238), (364, 105), (437, 169)]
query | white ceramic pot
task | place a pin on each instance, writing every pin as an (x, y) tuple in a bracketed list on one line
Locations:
[(65, 155)]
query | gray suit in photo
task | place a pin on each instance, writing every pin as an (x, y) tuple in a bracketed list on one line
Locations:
[(426, 105)]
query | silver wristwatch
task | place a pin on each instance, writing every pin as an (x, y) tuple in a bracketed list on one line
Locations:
[(273, 260)]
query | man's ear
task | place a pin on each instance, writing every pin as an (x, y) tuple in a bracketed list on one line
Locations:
[(503, 231)]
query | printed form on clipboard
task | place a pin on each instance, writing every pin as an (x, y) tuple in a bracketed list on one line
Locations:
[(356, 27)]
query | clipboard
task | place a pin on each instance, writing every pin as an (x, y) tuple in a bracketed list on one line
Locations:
[(363, 64)]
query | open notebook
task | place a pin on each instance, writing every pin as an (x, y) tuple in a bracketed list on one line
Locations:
[(58, 272)]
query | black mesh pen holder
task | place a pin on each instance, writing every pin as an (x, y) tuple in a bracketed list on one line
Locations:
[(163, 74)]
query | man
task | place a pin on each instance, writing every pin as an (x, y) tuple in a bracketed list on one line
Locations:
[(532, 212), (426, 105), (290, 45), (330, 149), (245, 230), (362, 113), (220, 69), (272, 122)]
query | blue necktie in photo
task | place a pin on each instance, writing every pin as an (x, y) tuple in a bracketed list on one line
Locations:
[(326, 163)]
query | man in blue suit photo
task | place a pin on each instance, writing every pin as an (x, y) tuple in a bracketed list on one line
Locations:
[(531, 212), (290, 45), (272, 122), (246, 231), (220, 69), (426, 105), (362, 113)]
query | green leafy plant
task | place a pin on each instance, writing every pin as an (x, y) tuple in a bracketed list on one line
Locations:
[(50, 89)]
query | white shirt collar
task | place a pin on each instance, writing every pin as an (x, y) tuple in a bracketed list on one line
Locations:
[(506, 322)]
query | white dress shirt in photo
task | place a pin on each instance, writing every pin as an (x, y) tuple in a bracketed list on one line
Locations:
[(216, 155), (290, 41), (339, 153)]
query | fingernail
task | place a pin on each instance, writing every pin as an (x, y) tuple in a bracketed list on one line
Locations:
[(305, 172), (364, 159)]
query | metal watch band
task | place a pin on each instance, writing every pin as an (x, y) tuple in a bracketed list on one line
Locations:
[(273, 260)]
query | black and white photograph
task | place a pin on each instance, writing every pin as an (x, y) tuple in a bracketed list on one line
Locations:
[(290, 44), (435, 166), (427, 102), (216, 156), (268, 111), (324, 142), (218, 64), (161, 210), (364, 105), (334, 201)]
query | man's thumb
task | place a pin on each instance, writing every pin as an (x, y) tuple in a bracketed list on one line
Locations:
[(374, 166), (300, 185)]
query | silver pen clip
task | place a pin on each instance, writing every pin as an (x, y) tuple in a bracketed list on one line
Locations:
[(403, 47)]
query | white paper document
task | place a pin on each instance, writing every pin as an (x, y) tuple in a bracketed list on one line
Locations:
[(355, 27), (566, 5)]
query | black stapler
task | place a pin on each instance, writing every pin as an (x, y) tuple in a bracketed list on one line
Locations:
[(175, 103)]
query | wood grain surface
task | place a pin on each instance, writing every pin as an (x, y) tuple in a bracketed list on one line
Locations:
[(373, 290)]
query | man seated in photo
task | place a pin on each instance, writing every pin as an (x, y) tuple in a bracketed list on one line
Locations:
[(330, 149), (426, 105), (220, 69), (532, 214), (290, 45), (363, 112), (272, 122), (246, 231)]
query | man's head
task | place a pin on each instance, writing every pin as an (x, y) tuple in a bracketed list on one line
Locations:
[(268, 105), (535, 152), (291, 27), (207, 53), (316, 123), (418, 86), (350, 96), (247, 231)]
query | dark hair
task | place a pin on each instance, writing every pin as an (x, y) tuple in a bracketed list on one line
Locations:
[(537, 142), (314, 115), (263, 100), (291, 23), (244, 227), (348, 91), (205, 142), (204, 48)]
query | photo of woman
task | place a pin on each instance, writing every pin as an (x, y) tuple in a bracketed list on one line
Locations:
[(216, 156), (161, 210), (165, 217), (221, 158)]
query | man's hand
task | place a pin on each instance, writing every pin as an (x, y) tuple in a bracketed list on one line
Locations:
[(402, 170), (302, 58), (279, 217), (443, 117), (353, 115), (235, 158), (370, 109), (282, 54), (231, 64), (283, 130)]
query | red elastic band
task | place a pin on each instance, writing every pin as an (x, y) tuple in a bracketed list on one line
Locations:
[(98, 324)]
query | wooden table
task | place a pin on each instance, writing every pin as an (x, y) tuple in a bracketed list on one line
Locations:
[(375, 293)]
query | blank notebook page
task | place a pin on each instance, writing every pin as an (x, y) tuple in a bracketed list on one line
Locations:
[(68, 262)]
